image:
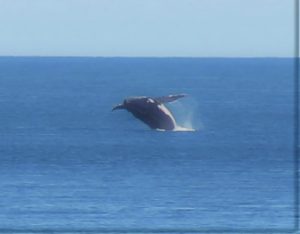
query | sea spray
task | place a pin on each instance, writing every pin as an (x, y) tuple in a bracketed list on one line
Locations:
[(183, 129), (186, 115)]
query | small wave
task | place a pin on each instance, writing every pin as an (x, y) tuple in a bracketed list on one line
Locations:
[(183, 129), (178, 129)]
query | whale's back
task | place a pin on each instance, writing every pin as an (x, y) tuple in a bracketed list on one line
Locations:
[(151, 112)]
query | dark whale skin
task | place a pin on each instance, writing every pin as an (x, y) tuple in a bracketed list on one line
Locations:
[(148, 110), (151, 111)]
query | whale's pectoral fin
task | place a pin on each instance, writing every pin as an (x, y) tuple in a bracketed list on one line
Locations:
[(169, 98)]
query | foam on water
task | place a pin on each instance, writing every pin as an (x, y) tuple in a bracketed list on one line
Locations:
[(184, 112), (183, 129), (178, 129)]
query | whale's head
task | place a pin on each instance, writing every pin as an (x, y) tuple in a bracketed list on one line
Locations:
[(121, 106), (129, 103)]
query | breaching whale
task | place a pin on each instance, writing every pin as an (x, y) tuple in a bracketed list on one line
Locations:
[(151, 111)]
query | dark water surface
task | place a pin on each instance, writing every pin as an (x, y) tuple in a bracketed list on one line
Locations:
[(67, 161)]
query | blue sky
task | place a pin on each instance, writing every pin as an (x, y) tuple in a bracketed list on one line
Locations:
[(192, 28)]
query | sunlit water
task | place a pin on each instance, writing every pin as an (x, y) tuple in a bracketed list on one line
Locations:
[(68, 162)]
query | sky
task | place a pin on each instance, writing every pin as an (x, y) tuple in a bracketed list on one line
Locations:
[(142, 28)]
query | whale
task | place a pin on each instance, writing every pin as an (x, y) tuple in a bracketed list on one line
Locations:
[(151, 110)]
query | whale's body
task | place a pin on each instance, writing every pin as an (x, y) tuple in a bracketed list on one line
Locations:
[(151, 111)]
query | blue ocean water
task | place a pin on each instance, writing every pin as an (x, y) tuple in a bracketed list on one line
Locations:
[(68, 162)]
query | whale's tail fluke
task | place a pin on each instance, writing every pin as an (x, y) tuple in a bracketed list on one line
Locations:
[(169, 98)]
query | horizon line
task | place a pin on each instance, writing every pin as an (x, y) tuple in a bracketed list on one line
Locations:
[(121, 56)]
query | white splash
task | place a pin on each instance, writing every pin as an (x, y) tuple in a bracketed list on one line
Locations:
[(183, 129), (184, 113), (177, 129)]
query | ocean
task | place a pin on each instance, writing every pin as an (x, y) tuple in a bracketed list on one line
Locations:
[(69, 163)]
